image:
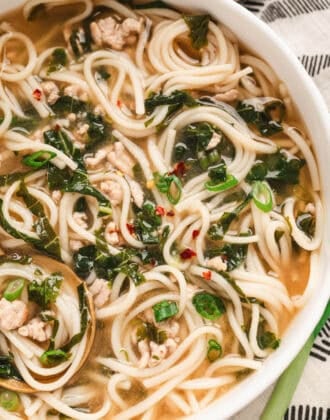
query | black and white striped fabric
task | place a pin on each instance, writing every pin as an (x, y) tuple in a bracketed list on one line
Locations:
[(305, 27)]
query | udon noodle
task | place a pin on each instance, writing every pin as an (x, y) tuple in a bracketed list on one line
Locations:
[(163, 162)]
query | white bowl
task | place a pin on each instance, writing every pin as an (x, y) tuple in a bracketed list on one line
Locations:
[(265, 43)]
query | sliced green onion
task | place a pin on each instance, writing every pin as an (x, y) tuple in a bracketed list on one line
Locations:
[(230, 182), (164, 310), (38, 159), (14, 289), (208, 306), (9, 400), (214, 350), (171, 185), (52, 358), (262, 196)]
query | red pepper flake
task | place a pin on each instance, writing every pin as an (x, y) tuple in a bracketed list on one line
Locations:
[(207, 275), (187, 253), (130, 228), (170, 213), (119, 103), (37, 94), (57, 127), (179, 169), (195, 233), (160, 211)]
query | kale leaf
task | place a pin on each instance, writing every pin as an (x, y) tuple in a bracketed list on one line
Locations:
[(266, 117), (49, 241), (58, 60), (279, 167), (146, 224), (233, 254), (8, 369), (306, 223), (72, 181), (176, 99), (198, 29), (45, 292), (218, 230)]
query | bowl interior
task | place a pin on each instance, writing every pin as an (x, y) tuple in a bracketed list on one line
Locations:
[(260, 39)]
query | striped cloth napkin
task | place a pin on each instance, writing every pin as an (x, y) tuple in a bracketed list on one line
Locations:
[(305, 27)]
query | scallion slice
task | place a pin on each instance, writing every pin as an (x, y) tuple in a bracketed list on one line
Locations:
[(52, 358), (208, 306), (214, 350), (262, 196), (230, 182), (38, 159), (14, 289), (9, 400), (165, 310), (170, 185)]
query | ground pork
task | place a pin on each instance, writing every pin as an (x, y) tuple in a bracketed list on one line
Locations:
[(36, 329), (113, 191), (217, 263), (12, 314), (100, 291), (51, 91), (110, 33)]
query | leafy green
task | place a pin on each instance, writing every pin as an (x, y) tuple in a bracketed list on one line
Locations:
[(153, 254), (266, 117), (233, 254), (84, 260), (67, 104), (219, 229), (45, 292), (149, 331), (53, 357), (106, 266), (81, 41), (170, 185), (49, 241), (198, 26), (218, 173), (72, 181), (98, 131), (8, 369), (268, 340), (9, 179), (146, 224), (58, 60), (306, 223), (278, 167), (176, 100)]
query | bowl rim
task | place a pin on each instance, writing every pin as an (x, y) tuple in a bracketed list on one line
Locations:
[(305, 321), (316, 118)]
